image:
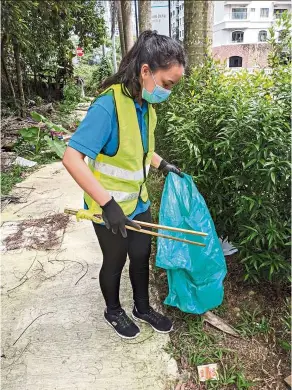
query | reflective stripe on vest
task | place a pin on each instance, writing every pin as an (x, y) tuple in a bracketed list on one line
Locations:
[(119, 173), (121, 196)]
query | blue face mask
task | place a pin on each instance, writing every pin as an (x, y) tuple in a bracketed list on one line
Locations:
[(158, 95)]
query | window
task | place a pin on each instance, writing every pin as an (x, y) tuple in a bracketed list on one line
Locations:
[(237, 36), (239, 13), (264, 12), (235, 62), (263, 35), (278, 12)]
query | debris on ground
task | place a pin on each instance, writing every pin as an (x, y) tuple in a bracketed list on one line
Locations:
[(10, 128), (218, 323), (288, 380), (208, 372), (44, 233), (6, 199), (227, 247), (23, 162), (189, 385), (7, 160)]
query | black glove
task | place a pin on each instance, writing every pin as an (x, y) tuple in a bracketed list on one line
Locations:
[(165, 167), (115, 219)]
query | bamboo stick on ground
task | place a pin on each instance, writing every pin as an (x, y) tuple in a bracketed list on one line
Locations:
[(98, 219)]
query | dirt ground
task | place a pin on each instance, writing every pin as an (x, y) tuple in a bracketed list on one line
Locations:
[(254, 309)]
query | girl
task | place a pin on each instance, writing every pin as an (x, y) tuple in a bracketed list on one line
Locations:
[(117, 135)]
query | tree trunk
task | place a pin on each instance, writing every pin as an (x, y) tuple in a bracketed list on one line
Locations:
[(19, 77), (4, 67), (121, 29), (144, 15), (114, 54), (126, 6), (198, 26), (114, 11)]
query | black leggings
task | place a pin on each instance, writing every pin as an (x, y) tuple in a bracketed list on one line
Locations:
[(115, 249)]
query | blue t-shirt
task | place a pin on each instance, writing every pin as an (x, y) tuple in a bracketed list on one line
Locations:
[(99, 132)]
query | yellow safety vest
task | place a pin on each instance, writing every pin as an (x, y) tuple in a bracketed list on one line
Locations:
[(124, 174)]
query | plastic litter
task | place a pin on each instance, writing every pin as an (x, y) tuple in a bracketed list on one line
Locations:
[(228, 248), (23, 162), (195, 274)]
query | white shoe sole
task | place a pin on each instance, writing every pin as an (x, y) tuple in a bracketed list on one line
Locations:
[(123, 337), (156, 330)]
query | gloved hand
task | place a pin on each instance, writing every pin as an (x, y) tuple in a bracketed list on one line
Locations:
[(115, 219), (166, 167)]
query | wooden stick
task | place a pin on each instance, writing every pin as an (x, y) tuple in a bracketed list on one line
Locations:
[(173, 229), (152, 225), (164, 236), (97, 219)]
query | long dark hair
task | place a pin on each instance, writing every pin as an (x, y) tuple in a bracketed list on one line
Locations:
[(158, 51)]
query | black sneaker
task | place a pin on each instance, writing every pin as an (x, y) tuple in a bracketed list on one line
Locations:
[(159, 322), (122, 324)]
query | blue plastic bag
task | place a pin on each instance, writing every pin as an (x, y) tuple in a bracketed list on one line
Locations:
[(195, 274)]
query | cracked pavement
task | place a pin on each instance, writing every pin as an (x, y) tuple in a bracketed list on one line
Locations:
[(53, 332)]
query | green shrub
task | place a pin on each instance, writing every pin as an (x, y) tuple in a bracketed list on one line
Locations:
[(85, 71), (231, 132), (103, 71), (72, 93)]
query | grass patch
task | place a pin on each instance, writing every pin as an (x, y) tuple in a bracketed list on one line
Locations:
[(11, 177), (253, 323), (260, 358)]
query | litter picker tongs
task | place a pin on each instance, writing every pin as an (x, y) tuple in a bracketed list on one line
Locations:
[(98, 219)]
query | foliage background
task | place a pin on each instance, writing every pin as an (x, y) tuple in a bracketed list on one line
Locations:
[(231, 132)]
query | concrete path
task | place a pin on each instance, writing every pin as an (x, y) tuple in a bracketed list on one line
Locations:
[(53, 332)]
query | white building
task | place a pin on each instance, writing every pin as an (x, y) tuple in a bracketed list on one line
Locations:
[(247, 17), (240, 29), (177, 19)]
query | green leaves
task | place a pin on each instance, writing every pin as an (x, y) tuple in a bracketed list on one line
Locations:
[(37, 117), (38, 138), (233, 136), (52, 126), (29, 134), (43, 30), (57, 146)]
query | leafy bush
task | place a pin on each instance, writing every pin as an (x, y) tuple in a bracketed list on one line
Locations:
[(38, 139), (231, 132), (86, 71), (103, 71), (72, 93)]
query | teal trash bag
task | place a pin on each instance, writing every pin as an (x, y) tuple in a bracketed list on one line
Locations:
[(195, 274)]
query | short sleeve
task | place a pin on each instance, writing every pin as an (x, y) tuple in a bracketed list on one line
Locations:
[(95, 130)]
